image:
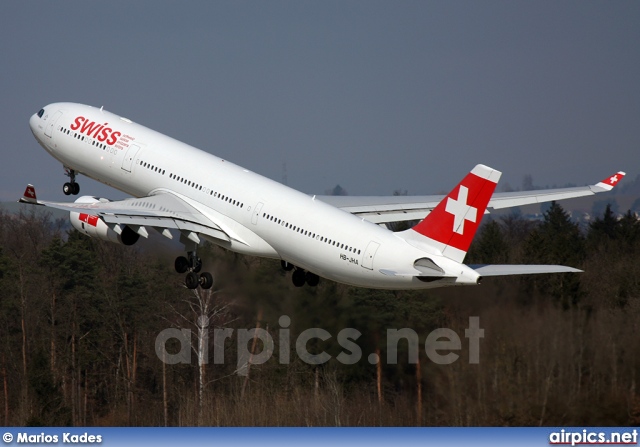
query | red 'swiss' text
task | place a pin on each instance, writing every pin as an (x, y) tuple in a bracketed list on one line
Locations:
[(94, 130)]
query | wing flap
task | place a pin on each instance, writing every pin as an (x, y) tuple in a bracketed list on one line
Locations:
[(165, 223)]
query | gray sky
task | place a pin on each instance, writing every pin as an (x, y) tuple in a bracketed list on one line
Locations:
[(372, 95)]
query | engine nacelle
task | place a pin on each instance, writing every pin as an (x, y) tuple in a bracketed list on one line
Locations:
[(93, 226)]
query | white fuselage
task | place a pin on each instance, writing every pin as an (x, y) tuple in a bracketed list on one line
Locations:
[(271, 219)]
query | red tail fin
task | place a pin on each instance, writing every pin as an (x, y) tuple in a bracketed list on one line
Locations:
[(454, 221)]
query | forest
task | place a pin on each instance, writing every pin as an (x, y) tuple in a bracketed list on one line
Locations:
[(80, 320)]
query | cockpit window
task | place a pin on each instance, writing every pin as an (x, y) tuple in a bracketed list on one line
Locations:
[(40, 113)]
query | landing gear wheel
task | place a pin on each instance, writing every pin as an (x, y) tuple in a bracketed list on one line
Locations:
[(298, 278), (192, 281), (312, 279), (71, 187), (206, 280), (286, 266), (182, 264)]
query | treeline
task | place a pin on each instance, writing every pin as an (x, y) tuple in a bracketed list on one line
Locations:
[(80, 321)]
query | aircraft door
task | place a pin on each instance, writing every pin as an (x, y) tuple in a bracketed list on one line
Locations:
[(369, 254), (129, 156), (256, 213), (48, 130)]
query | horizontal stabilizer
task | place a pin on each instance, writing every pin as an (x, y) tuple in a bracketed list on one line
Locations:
[(506, 270)]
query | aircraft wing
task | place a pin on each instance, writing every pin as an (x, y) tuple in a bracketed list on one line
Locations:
[(161, 211), (385, 209), (403, 208)]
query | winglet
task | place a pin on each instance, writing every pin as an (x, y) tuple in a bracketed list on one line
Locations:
[(608, 183), (29, 195)]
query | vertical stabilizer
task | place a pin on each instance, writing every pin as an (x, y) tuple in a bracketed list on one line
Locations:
[(451, 225)]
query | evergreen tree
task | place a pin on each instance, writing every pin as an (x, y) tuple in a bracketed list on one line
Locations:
[(557, 240), (489, 246), (50, 408), (612, 243), (599, 206), (603, 229), (628, 231)]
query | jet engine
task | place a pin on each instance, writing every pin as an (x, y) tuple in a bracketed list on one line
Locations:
[(94, 226)]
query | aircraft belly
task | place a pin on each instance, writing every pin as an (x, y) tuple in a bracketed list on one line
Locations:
[(257, 247)]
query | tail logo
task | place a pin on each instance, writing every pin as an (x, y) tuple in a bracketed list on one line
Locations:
[(608, 183), (460, 210)]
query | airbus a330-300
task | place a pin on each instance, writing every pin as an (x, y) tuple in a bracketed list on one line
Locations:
[(177, 189)]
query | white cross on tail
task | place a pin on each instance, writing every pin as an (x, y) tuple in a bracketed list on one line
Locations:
[(460, 210)]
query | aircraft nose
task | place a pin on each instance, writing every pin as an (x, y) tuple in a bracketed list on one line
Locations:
[(36, 123)]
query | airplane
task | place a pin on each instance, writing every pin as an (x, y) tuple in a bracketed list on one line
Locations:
[(178, 188)]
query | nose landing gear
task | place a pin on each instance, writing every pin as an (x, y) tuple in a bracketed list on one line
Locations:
[(71, 187)]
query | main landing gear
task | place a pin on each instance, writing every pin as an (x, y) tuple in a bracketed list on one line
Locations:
[(71, 187), (193, 264), (299, 277)]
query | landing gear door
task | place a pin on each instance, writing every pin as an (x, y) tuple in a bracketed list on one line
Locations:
[(129, 156), (256, 213), (369, 254)]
